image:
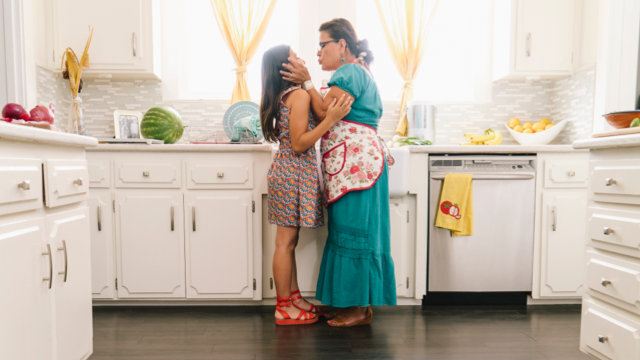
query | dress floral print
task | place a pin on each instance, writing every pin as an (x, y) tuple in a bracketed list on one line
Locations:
[(295, 196)]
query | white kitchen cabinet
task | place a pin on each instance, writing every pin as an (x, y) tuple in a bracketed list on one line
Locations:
[(67, 233), (563, 231), (534, 37), (102, 244), (150, 244), (25, 303), (218, 239), (399, 216), (126, 35)]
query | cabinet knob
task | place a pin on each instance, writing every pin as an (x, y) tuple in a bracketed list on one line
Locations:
[(572, 173), (608, 231), (78, 181), (25, 185), (145, 173), (609, 181), (605, 282), (220, 175), (603, 339)]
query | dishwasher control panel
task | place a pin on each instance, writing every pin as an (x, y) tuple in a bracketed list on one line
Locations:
[(480, 164)]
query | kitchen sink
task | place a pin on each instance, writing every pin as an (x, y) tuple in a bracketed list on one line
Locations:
[(399, 172)]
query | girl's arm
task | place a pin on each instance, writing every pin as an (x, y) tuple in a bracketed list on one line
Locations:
[(298, 102)]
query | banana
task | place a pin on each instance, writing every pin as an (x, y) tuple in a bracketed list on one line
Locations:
[(497, 140), (484, 137), (470, 136), (474, 143)]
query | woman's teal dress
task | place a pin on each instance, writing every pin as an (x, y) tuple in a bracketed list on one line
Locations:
[(357, 268)]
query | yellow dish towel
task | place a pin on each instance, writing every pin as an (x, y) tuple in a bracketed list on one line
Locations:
[(455, 211)]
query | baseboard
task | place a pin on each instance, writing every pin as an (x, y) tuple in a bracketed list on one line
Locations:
[(569, 301), (475, 298), (191, 302)]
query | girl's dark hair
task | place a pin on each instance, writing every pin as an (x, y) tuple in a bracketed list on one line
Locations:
[(273, 85), (342, 29)]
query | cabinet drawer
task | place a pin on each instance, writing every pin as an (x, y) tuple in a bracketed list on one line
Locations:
[(20, 185), (148, 174), (67, 182), (614, 277), (220, 174), (99, 173), (566, 173), (609, 333), (616, 181), (614, 230)]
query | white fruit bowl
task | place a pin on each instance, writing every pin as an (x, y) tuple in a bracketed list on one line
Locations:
[(541, 138)]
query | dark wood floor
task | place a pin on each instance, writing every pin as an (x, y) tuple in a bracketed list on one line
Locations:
[(403, 332)]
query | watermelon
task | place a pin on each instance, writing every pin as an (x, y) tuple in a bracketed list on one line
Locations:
[(162, 123)]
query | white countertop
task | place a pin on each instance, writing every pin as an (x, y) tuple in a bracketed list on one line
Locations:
[(41, 136), (608, 142), (491, 149), (226, 148)]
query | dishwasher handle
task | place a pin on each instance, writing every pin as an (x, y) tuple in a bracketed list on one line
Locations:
[(491, 176)]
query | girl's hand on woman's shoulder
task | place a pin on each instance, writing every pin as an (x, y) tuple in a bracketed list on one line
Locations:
[(338, 109)]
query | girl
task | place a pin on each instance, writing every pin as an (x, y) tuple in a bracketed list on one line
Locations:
[(295, 197)]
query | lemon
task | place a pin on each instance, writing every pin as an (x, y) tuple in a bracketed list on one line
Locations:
[(546, 121), (527, 131), (527, 125), (518, 128), (549, 126), (538, 126), (539, 130), (514, 122)]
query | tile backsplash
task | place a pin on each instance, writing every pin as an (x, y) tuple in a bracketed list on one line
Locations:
[(568, 98)]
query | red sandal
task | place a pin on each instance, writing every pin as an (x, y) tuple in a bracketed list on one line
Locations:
[(318, 310), (304, 318)]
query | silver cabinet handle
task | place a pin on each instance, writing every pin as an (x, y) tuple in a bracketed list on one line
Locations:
[(145, 173), (220, 175), (193, 217), (172, 211), (608, 231), (572, 173), (605, 282), (78, 181), (529, 45), (134, 44), (554, 218), (25, 185), (66, 260), (603, 339), (99, 218), (50, 278), (609, 181)]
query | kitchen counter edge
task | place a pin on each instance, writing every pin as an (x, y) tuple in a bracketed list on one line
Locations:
[(225, 148), (492, 149), (30, 134), (608, 142)]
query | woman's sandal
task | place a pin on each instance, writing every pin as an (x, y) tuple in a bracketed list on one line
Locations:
[(318, 310), (365, 321), (304, 318)]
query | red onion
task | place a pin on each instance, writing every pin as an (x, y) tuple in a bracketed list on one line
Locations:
[(15, 111)]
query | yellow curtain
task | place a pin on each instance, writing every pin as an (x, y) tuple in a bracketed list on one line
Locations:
[(406, 26), (242, 24)]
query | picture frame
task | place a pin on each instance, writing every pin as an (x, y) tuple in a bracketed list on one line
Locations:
[(127, 124)]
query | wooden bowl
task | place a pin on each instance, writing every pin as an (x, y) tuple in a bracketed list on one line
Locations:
[(622, 119)]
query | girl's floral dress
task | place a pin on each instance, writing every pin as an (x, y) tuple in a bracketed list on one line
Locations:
[(295, 196)]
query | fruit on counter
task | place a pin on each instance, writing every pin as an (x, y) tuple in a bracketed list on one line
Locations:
[(518, 128), (490, 137), (497, 140), (546, 121), (513, 122), (549, 126), (538, 126), (635, 122), (528, 131), (162, 123), (531, 128), (43, 113), (15, 111), (527, 125), (399, 141)]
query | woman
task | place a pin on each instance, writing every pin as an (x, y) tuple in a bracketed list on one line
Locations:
[(357, 268), (294, 194)]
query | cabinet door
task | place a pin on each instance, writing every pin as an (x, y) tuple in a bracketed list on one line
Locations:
[(102, 244), (150, 244), (563, 236), (119, 31), (399, 227), (25, 301), (545, 35), (219, 244), (68, 234)]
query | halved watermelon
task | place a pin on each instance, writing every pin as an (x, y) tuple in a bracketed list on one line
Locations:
[(162, 123)]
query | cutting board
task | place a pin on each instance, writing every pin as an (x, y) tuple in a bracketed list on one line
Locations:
[(627, 131)]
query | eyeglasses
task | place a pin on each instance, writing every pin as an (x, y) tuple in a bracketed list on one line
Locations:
[(322, 44)]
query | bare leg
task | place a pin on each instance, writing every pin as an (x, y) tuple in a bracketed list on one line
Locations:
[(286, 239)]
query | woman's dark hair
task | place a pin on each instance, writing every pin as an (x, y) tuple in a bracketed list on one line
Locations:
[(273, 85), (342, 29)]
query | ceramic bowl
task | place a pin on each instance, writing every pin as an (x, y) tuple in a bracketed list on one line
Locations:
[(622, 119), (541, 138)]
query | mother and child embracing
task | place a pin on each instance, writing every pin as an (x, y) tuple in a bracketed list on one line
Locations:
[(357, 269)]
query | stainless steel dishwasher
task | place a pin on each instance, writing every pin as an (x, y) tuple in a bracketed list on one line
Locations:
[(499, 255)]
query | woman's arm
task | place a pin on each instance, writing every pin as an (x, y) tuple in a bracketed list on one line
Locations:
[(298, 102)]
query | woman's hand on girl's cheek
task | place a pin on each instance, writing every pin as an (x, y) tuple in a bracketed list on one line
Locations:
[(297, 72)]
